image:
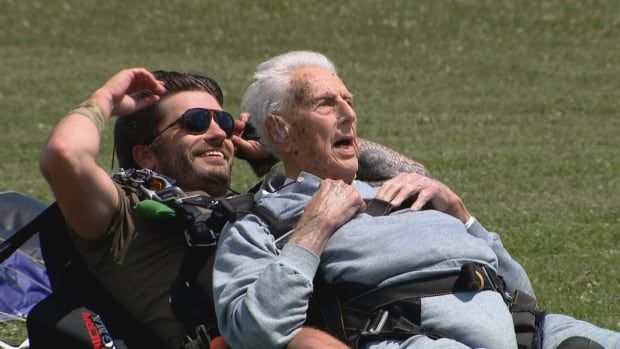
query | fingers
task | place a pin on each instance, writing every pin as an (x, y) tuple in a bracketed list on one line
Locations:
[(147, 100), (340, 200), (240, 124), (252, 150), (245, 117), (402, 187), (422, 199), (145, 80), (132, 89), (127, 81), (423, 190)]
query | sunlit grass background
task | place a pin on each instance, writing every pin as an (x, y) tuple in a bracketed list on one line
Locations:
[(513, 104)]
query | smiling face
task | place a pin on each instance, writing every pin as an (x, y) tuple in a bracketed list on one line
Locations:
[(193, 160), (322, 137)]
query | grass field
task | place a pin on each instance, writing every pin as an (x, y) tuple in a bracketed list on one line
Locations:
[(513, 104)]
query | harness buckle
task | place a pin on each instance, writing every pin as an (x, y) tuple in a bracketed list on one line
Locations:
[(200, 237), (497, 286), (376, 323)]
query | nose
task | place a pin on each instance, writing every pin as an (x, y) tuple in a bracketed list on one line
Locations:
[(214, 133), (346, 112)]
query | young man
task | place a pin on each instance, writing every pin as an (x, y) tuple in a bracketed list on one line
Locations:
[(171, 123), (398, 279)]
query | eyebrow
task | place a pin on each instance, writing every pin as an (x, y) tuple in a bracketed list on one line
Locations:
[(324, 95), (330, 95)]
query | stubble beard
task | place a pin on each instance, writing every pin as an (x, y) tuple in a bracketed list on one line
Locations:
[(188, 177)]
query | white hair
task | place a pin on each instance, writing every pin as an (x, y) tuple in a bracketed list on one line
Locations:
[(269, 92)]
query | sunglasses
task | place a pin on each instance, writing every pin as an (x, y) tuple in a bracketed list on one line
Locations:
[(197, 121)]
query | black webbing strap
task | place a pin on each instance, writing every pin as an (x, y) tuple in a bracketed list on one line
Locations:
[(191, 303), (528, 322), (10, 245), (376, 207), (469, 278), (392, 311)]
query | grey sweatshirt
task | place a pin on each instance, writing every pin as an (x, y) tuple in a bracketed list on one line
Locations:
[(262, 293)]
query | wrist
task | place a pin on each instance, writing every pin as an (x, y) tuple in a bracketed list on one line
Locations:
[(104, 100), (93, 112), (460, 211), (311, 236)]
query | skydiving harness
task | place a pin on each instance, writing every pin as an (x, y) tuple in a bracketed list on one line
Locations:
[(202, 218), (354, 313), (357, 313)]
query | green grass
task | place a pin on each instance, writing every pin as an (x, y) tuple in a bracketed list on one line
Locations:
[(514, 104)]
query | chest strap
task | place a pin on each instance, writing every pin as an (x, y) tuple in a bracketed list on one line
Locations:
[(355, 312)]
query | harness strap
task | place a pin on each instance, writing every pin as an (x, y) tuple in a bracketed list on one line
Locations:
[(355, 311), (15, 241), (528, 322), (376, 207), (471, 277)]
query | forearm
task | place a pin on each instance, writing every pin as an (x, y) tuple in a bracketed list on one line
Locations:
[(83, 190), (311, 234), (261, 297), (378, 163), (311, 338)]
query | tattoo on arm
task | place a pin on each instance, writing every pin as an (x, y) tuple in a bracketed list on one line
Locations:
[(378, 163)]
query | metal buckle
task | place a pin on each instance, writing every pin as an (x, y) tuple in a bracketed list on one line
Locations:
[(201, 241), (376, 323), (488, 279), (504, 293)]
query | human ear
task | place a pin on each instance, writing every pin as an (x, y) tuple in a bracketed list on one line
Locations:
[(277, 128), (144, 156)]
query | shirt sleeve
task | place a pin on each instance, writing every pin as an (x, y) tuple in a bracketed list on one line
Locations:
[(111, 246), (510, 270), (261, 294)]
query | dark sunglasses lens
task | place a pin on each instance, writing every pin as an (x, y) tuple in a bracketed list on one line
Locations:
[(226, 122), (196, 121)]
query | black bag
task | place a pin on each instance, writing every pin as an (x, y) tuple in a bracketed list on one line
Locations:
[(79, 313)]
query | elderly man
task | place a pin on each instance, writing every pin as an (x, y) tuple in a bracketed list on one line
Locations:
[(263, 287)]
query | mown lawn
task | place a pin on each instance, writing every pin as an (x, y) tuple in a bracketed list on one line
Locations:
[(514, 104)]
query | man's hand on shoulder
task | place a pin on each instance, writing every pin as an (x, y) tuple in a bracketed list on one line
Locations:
[(423, 190)]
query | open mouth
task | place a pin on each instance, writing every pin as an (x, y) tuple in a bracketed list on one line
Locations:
[(211, 153), (343, 143)]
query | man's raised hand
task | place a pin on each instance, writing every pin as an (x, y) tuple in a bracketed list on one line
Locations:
[(128, 91)]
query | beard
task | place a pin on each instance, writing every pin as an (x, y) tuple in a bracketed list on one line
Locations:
[(213, 180)]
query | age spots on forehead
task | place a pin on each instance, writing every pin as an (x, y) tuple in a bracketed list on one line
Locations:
[(306, 82), (300, 89)]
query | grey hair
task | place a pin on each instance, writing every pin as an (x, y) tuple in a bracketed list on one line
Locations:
[(269, 92)]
